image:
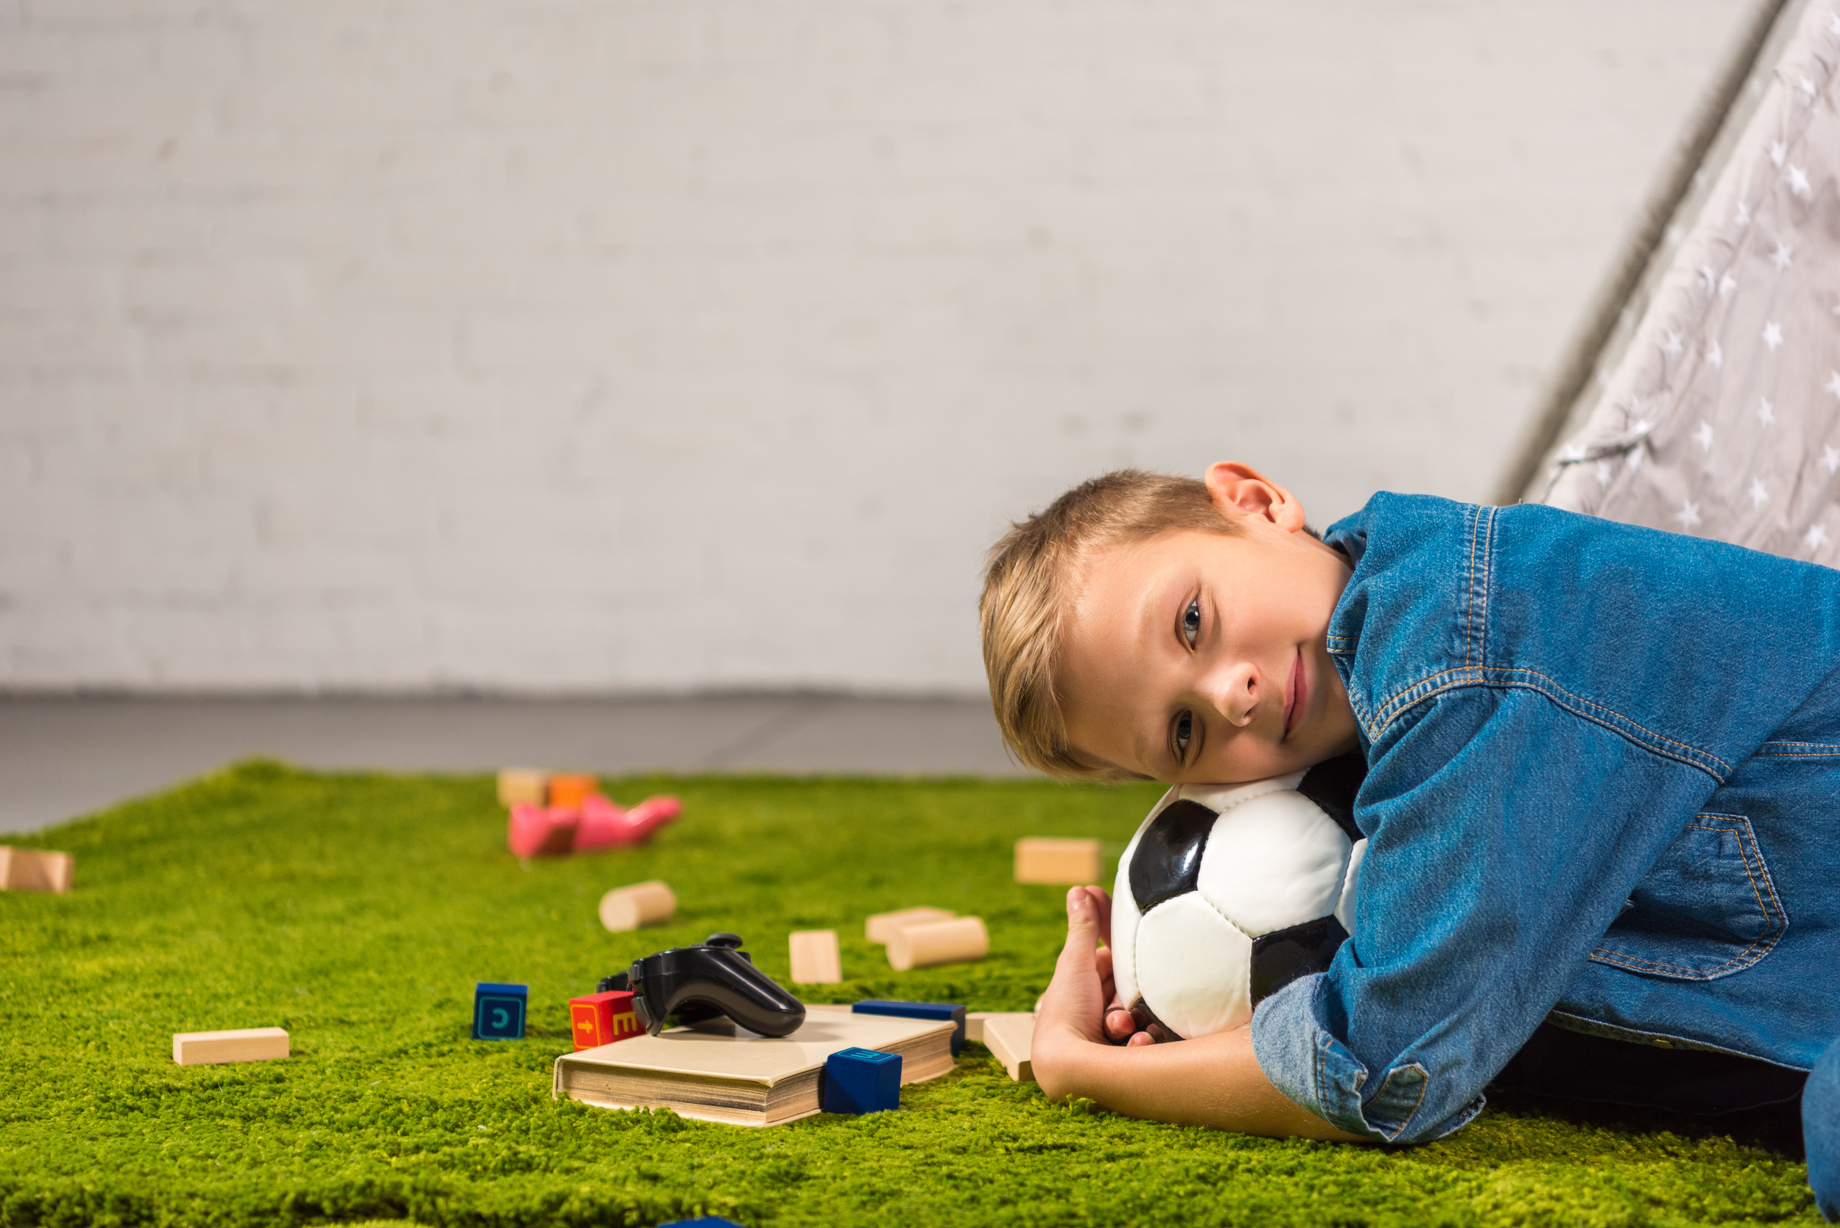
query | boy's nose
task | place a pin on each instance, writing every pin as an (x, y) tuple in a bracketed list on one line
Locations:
[(1234, 693)]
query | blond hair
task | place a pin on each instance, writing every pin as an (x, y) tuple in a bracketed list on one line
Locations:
[(1028, 578)]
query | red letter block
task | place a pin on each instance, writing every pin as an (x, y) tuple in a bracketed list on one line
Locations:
[(602, 1018)]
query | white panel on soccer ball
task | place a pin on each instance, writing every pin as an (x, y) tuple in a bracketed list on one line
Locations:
[(1125, 922), (1194, 967), (1344, 910), (1274, 862), (1224, 797)]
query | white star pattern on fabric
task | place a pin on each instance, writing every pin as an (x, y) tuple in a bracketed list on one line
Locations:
[(1797, 179), (1635, 458), (1572, 452), (1759, 496), (1716, 357), (1671, 347), (1807, 88), (1815, 537), (1766, 412), (1772, 335), (1783, 256), (1703, 436), (1728, 283), (1705, 275), (1744, 214), (1833, 383), (1830, 459), (1688, 515), (1604, 472), (1778, 151), (1833, 25)]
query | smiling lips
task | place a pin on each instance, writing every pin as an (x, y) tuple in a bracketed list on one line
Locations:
[(1293, 702)]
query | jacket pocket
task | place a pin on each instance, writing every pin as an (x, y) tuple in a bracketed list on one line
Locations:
[(1705, 910)]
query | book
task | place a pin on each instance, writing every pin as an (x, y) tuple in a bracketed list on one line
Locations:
[(718, 1072)]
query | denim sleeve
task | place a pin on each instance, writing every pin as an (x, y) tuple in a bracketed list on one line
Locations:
[(1504, 835)]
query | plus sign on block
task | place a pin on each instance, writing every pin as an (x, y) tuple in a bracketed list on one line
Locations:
[(498, 1011), (602, 1018)]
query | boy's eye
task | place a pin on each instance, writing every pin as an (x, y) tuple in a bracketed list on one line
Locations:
[(1191, 622), (1185, 728)]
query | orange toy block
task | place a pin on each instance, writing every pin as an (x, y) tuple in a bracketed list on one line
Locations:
[(569, 792), (34, 870), (602, 1018)]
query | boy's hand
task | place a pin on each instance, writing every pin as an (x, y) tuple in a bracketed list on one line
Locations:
[(1082, 999)]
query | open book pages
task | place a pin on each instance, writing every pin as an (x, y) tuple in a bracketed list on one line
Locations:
[(723, 1073)]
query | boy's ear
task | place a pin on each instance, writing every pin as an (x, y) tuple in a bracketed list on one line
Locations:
[(1240, 490)]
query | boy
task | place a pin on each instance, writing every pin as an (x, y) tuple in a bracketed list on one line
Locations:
[(1602, 801)]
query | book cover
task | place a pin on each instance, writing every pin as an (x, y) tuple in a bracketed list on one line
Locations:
[(731, 1075)]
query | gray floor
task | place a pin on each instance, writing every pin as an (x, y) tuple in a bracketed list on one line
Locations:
[(60, 757)]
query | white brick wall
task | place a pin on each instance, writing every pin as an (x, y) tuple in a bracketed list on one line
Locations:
[(608, 344)]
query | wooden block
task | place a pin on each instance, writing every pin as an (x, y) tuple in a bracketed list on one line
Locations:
[(1066, 863), (602, 1018), (35, 870), (568, 792), (882, 924), (974, 1024), (526, 786), (237, 1045), (938, 942), (1008, 1037), (815, 959), (647, 903)]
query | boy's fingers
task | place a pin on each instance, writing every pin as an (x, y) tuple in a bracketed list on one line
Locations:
[(1102, 908), (1119, 1026)]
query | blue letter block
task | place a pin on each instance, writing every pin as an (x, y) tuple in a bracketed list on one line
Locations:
[(943, 1011), (862, 1081), (498, 1011)]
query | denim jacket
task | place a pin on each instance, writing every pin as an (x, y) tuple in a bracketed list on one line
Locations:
[(1603, 791)]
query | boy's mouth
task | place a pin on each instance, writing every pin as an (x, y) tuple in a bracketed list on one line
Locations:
[(1293, 701)]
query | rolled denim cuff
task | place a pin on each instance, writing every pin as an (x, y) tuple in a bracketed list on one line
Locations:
[(1306, 1062)]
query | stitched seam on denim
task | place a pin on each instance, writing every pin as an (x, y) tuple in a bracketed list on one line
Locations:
[(1398, 702), (1322, 1091), (1771, 909), (1488, 589), (1809, 750), (1469, 588), (1423, 1080)]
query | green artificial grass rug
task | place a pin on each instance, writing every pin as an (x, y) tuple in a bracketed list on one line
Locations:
[(357, 911)]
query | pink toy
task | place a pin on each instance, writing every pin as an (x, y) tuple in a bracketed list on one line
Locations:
[(536, 832), (605, 825)]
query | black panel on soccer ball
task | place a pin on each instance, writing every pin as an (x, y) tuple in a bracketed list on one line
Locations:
[(1332, 785), (1280, 957), (1167, 862)]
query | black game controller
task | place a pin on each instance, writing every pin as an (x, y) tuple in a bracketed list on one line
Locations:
[(702, 982)]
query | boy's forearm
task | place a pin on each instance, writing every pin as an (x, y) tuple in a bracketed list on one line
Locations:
[(1213, 1081)]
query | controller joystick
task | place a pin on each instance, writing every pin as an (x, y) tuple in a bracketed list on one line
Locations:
[(716, 977)]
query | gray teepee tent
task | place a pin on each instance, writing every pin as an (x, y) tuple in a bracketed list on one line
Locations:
[(1709, 401)]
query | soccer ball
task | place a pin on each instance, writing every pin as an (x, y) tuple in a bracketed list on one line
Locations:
[(1228, 893)]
